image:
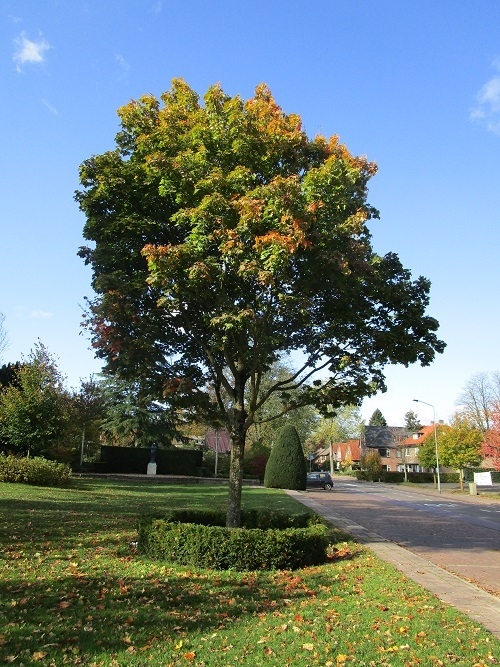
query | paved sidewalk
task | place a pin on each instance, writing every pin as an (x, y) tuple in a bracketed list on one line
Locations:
[(464, 596)]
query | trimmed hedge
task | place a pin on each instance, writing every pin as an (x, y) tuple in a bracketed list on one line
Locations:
[(134, 460), (36, 471), (249, 518), (200, 539), (286, 467), (414, 477)]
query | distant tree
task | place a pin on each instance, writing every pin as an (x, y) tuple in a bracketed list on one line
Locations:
[(412, 422), (460, 445), (377, 419), (479, 397), (133, 418), (89, 408), (427, 450), (286, 467), (33, 409), (371, 462), (274, 413), (346, 424), (9, 374), (491, 443), (222, 237)]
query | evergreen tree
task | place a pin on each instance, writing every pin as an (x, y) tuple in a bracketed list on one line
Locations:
[(286, 467), (377, 419), (412, 422), (9, 374)]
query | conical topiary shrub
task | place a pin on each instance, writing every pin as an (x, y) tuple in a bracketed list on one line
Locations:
[(286, 467)]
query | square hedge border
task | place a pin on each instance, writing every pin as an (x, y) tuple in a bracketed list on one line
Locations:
[(267, 541)]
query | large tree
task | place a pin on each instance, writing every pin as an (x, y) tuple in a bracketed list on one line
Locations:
[(224, 237)]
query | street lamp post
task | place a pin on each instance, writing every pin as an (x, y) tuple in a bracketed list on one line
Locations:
[(416, 400)]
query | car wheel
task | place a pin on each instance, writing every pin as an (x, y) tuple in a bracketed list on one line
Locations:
[(328, 486)]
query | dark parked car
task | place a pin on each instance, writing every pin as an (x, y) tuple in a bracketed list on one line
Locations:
[(322, 480)]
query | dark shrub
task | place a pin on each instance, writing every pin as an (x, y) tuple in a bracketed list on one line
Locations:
[(286, 467)]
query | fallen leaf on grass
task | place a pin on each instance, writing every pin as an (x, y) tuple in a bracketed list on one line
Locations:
[(39, 655), (190, 655)]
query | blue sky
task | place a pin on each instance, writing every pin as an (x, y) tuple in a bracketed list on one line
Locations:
[(414, 86)]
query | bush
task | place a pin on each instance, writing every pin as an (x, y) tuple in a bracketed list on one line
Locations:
[(286, 467), (37, 471), (198, 545)]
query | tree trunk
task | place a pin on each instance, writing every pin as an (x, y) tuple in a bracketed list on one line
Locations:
[(233, 518), (238, 437)]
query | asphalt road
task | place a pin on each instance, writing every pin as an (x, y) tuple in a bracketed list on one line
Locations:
[(458, 533)]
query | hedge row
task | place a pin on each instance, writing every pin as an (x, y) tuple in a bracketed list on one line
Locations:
[(399, 477), (37, 471), (134, 460), (267, 540), (249, 518), (221, 548)]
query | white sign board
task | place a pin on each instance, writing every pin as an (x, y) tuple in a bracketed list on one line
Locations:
[(483, 478)]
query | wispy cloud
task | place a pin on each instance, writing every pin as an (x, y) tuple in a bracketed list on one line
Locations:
[(29, 51), (157, 7), (487, 109), (50, 107), (41, 315), (124, 67)]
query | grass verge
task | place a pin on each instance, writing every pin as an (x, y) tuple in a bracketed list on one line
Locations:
[(74, 592)]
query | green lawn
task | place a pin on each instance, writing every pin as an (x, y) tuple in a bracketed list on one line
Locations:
[(73, 591)]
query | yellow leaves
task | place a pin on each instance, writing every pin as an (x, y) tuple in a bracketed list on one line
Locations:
[(38, 655), (308, 647)]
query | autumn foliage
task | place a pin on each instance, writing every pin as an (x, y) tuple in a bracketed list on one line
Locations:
[(223, 238), (491, 444)]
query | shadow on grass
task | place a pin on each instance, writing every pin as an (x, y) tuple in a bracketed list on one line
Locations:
[(99, 611)]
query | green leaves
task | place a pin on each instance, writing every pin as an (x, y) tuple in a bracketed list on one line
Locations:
[(224, 238)]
